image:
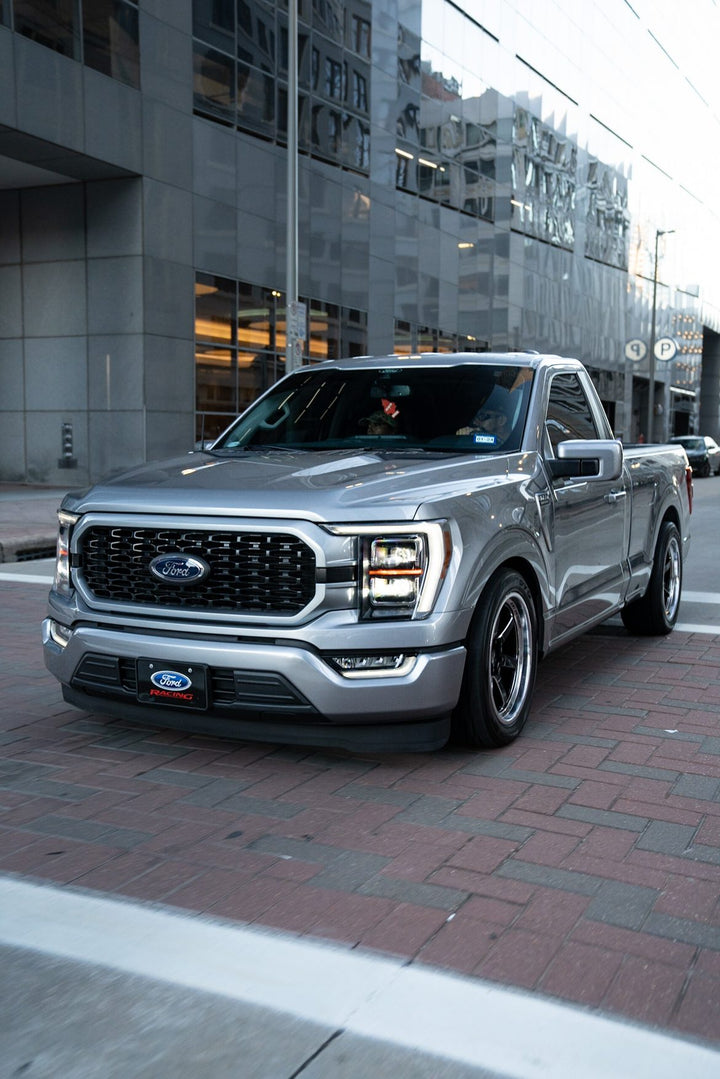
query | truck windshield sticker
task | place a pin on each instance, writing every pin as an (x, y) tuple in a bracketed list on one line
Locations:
[(484, 440)]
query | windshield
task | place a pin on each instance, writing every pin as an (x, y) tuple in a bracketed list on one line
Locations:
[(468, 408)]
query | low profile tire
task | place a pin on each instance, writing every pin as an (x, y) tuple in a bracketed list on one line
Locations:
[(501, 665), (655, 613)]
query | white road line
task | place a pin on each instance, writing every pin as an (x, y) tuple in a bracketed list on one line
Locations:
[(701, 597), (689, 627), (514, 1033), (26, 578)]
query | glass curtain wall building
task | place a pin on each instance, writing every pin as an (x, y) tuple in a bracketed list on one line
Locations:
[(487, 174)]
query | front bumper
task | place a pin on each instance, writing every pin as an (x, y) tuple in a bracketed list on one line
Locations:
[(281, 692)]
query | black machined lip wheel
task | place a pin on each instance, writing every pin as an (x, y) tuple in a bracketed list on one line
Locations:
[(672, 578), (510, 660)]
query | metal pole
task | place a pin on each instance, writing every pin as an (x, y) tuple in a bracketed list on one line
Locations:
[(651, 353), (651, 350), (292, 360)]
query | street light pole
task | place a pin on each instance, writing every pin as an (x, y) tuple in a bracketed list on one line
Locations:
[(292, 360), (651, 351)]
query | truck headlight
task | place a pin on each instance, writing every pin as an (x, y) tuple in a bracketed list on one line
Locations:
[(401, 567), (66, 521)]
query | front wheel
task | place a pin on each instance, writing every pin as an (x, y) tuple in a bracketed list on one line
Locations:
[(655, 613), (500, 666)]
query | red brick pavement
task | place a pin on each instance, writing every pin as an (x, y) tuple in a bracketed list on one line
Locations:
[(582, 862)]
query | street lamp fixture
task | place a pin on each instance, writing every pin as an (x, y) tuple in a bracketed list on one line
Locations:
[(653, 325)]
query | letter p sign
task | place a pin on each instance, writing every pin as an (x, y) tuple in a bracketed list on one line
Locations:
[(665, 348), (635, 350)]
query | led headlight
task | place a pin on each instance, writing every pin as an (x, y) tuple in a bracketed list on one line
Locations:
[(401, 567), (66, 521), (395, 569)]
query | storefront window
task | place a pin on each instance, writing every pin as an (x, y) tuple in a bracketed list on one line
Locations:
[(215, 305), (324, 342), (240, 341)]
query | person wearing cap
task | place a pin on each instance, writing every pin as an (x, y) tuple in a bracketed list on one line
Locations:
[(491, 419)]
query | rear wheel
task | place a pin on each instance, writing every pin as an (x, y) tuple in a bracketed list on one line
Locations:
[(501, 664), (655, 613)]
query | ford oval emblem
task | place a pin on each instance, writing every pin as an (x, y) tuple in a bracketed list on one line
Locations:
[(171, 680), (179, 568)]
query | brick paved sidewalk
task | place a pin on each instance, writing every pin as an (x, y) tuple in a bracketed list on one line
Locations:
[(582, 862)]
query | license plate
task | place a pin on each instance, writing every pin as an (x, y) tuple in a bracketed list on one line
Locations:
[(177, 684)]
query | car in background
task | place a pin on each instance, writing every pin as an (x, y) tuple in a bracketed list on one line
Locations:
[(703, 453)]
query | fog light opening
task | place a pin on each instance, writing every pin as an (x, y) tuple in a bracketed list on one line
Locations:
[(60, 634), (373, 664)]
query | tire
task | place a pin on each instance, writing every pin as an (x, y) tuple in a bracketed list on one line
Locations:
[(704, 470), (655, 613), (501, 664)]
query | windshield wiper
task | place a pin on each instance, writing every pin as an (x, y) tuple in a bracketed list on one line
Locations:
[(258, 447)]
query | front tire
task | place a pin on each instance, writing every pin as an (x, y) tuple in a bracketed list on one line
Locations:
[(501, 664), (655, 613)]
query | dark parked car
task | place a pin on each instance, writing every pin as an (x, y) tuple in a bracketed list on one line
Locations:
[(703, 453)]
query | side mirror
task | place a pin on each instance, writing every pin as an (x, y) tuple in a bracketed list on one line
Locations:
[(599, 459)]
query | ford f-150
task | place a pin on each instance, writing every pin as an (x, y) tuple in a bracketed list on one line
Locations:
[(374, 555)]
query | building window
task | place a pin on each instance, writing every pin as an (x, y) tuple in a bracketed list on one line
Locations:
[(214, 83), (52, 24), (333, 78), (240, 340), (543, 182), (103, 34), (359, 92), (410, 338), (607, 220), (110, 39), (241, 60), (359, 31)]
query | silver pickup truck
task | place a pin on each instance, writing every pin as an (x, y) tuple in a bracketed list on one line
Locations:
[(374, 555)]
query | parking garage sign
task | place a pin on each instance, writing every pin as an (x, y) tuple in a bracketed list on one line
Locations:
[(636, 350), (665, 349)]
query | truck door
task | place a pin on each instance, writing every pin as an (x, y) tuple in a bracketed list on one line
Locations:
[(590, 517)]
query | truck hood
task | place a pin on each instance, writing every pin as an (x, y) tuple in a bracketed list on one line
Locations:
[(318, 486)]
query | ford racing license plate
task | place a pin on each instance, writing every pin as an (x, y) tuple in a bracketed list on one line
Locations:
[(175, 684)]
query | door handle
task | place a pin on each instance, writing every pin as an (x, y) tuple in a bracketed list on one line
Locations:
[(615, 496)]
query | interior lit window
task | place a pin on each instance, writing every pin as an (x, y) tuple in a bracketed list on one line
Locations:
[(240, 341)]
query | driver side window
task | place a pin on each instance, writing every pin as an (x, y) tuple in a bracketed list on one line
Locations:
[(568, 414)]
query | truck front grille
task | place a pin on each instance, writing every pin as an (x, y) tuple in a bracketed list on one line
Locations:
[(258, 573)]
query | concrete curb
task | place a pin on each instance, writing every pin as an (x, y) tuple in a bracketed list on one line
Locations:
[(27, 548)]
